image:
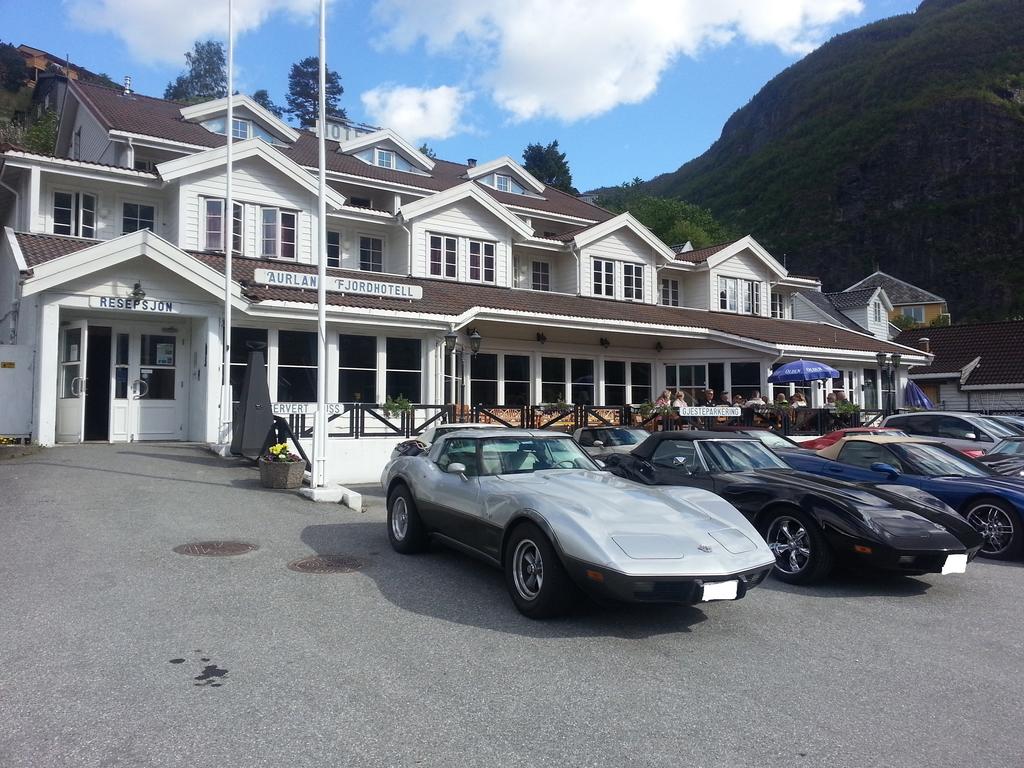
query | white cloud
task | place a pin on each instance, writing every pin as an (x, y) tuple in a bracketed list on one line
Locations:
[(159, 31), (417, 113), (573, 59)]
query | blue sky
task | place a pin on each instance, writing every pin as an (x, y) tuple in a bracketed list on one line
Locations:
[(624, 96)]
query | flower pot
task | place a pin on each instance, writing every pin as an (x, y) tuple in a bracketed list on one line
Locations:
[(281, 474)]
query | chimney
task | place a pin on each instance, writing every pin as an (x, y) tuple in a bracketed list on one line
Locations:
[(925, 344), (471, 162), (127, 85)]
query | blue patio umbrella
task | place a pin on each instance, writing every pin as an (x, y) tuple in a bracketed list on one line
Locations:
[(803, 370), (913, 397)]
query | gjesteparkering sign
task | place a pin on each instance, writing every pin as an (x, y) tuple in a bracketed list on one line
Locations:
[(351, 285), (710, 410)]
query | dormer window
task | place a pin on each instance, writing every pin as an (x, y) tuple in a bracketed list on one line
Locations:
[(240, 129), (502, 182), (385, 158)]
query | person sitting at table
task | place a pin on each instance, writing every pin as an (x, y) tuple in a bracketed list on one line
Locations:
[(830, 400), (679, 399), (724, 399), (755, 400), (780, 399), (739, 401), (840, 397), (798, 401), (665, 398)]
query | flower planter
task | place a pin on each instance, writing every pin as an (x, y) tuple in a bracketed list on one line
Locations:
[(281, 474)]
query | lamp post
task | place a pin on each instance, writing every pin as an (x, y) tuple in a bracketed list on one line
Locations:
[(453, 349), (888, 368)]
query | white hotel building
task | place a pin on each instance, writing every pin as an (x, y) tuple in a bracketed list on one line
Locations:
[(112, 280)]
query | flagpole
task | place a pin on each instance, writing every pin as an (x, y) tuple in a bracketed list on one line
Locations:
[(320, 424), (229, 229)]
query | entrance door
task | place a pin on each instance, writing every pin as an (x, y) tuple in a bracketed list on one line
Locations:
[(149, 384), (74, 337)]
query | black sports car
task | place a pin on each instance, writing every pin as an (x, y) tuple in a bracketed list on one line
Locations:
[(1007, 457), (810, 522)]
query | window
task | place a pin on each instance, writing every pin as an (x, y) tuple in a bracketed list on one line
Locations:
[(877, 308), (727, 294), (459, 450), (238, 233), (604, 278), (914, 313), (240, 128), (296, 366), (745, 379), (214, 228), (633, 282), (483, 380), (277, 233), (74, 213), (121, 367), (357, 368), (403, 373), (502, 183), (541, 278), (371, 253), (640, 383), (240, 340), (552, 379), (689, 378), (360, 202), (334, 249), (670, 292), (778, 306), (862, 454), (752, 297), (582, 381), (145, 165), (158, 353), (481, 261), (614, 382), (136, 216), (443, 256), (385, 158), (517, 380)]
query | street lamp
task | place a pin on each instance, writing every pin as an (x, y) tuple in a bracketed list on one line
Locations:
[(888, 367), (451, 346)]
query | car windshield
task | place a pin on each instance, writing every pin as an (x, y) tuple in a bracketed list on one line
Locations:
[(1009, 448), (999, 429), (889, 432), (521, 455), (939, 460), (772, 440), (610, 437), (738, 456)]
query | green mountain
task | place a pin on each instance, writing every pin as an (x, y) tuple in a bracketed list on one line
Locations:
[(897, 146)]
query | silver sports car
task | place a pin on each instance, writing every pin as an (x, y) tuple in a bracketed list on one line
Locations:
[(534, 504)]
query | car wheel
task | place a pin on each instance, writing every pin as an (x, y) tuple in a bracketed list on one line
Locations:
[(999, 526), (534, 575), (802, 556), (405, 528)]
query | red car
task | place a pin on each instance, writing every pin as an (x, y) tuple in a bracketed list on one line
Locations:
[(834, 437)]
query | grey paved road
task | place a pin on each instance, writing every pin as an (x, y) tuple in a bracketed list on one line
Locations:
[(423, 661)]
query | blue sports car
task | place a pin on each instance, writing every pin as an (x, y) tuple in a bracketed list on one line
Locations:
[(992, 503)]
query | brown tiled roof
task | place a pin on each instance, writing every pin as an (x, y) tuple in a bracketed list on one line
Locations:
[(700, 255), (852, 299), (38, 249), (997, 344), (900, 292), (145, 115), (443, 297)]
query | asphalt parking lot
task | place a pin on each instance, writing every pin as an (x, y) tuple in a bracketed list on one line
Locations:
[(119, 652)]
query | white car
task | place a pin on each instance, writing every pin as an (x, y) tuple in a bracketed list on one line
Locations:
[(534, 504), (600, 440), (421, 443)]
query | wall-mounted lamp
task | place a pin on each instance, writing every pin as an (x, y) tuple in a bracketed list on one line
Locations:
[(474, 341), (137, 293), (658, 346), (604, 342), (451, 340), (541, 338)]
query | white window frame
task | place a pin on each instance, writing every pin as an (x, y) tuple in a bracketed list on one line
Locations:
[(544, 274), (443, 264), (904, 311), (334, 261), (633, 282), (385, 158), (207, 229), (278, 237), (778, 305), (670, 293), (76, 225), (602, 275), (729, 286), (140, 203), (751, 297), (367, 236), (239, 121), (503, 182), (482, 268)]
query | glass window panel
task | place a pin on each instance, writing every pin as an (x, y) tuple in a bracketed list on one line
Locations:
[(516, 393), (158, 350), (371, 254), (614, 394), (160, 383), (614, 372), (71, 372), (214, 225), (357, 351), (63, 210), (552, 369), (88, 212), (517, 368), (288, 224), (355, 386), (582, 381), (334, 249), (484, 366), (296, 348), (240, 338), (403, 384), (484, 392), (121, 383), (121, 349), (72, 345), (269, 232), (403, 355), (296, 385)]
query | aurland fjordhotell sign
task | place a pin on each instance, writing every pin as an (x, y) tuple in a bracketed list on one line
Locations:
[(351, 285)]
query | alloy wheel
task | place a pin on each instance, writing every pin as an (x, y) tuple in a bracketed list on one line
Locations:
[(528, 569), (789, 542), (995, 527), (399, 519)]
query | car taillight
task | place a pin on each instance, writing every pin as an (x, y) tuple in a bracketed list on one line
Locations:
[(972, 452)]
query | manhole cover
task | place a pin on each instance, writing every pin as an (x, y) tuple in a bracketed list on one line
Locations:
[(327, 564), (215, 548)]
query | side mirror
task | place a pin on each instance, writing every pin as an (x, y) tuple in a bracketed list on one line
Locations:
[(887, 469), (456, 468), (970, 436), (598, 444), (599, 463)]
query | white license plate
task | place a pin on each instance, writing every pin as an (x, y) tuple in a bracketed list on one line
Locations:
[(955, 564), (721, 590)]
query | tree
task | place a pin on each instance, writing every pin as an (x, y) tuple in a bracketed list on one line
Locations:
[(262, 97), (904, 322), (673, 221), (41, 136), (205, 77), (426, 150), (13, 71), (304, 91), (549, 166)]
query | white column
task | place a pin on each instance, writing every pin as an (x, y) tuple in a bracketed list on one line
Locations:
[(36, 222), (46, 373)]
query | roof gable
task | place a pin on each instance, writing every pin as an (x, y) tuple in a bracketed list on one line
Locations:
[(386, 136), (623, 220), (956, 347), (270, 122), (506, 163), (861, 297), (747, 243), (899, 292), (469, 190)]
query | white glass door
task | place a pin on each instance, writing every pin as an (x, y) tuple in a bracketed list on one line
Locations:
[(71, 382), (158, 386)]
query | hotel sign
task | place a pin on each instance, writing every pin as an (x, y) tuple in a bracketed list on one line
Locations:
[(713, 410), (350, 285), (133, 305)]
